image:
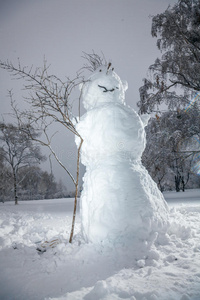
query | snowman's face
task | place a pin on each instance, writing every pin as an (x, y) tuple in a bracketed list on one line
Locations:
[(103, 86)]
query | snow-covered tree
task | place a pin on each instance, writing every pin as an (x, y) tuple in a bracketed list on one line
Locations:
[(178, 38), (5, 184), (174, 82), (172, 147), (38, 184), (156, 156), (18, 151)]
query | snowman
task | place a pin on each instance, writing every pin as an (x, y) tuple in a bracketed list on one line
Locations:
[(119, 202)]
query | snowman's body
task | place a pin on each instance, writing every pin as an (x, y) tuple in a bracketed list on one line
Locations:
[(119, 200)]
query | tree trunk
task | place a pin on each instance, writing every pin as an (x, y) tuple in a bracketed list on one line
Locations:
[(15, 187), (76, 193), (177, 182), (183, 184)]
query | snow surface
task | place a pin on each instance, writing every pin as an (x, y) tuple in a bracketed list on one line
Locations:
[(171, 271), (120, 203)]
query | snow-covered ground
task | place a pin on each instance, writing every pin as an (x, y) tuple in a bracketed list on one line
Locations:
[(171, 271)]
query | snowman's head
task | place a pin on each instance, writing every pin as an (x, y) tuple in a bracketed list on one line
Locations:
[(103, 86)]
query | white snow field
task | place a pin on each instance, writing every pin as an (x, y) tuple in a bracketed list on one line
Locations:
[(169, 271)]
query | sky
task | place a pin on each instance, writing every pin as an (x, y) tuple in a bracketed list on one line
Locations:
[(60, 31)]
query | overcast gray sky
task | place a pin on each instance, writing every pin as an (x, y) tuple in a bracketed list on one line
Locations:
[(62, 29)]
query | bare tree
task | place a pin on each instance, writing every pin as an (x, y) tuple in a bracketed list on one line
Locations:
[(18, 151), (49, 103)]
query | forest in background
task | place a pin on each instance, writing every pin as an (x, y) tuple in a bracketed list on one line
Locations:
[(20, 174), (171, 94)]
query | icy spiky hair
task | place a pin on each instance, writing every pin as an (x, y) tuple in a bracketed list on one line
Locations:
[(94, 61)]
